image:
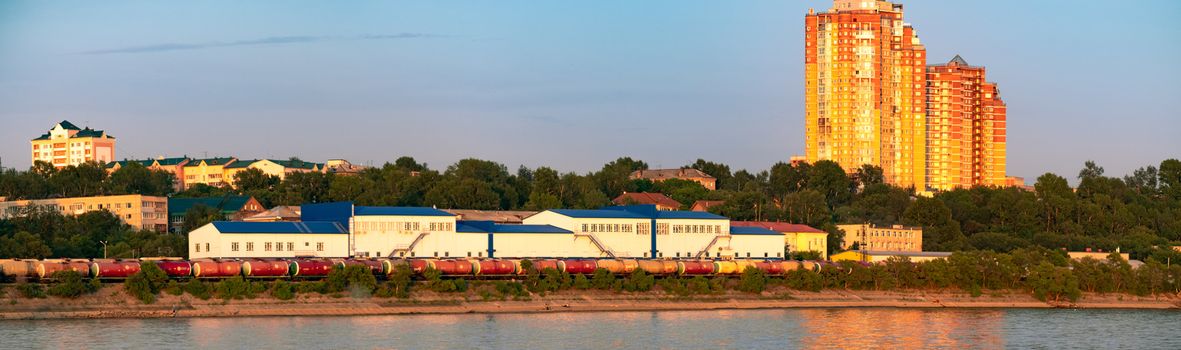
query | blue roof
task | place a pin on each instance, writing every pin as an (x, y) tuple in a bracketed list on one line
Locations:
[(474, 226), (531, 229), (688, 215), (400, 211), (636, 212), (752, 230), (280, 227), (466, 228), (599, 214)]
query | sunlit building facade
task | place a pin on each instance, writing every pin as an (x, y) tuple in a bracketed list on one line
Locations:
[(966, 127), (66, 144), (866, 90)]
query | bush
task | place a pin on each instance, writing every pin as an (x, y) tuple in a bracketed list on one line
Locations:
[(234, 288), (357, 279), (638, 281), (602, 279), (515, 289), (309, 287), (174, 288), (752, 280), (31, 290), (400, 281), (145, 284), (200, 290), (68, 284), (581, 282), (1050, 282), (804, 279), (283, 290)]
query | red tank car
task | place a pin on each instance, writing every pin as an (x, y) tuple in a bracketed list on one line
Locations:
[(375, 266), (46, 268), (580, 266), (114, 269), (540, 265), (216, 269), (494, 267), (310, 267), (454, 267), (175, 268), (695, 268), (769, 268), (266, 268)]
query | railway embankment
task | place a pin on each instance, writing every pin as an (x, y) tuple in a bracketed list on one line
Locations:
[(113, 302)]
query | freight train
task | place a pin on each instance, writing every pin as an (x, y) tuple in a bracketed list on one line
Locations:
[(108, 269)]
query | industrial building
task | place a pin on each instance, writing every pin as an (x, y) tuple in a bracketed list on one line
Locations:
[(638, 231)]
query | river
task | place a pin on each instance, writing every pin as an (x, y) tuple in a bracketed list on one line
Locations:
[(738, 329)]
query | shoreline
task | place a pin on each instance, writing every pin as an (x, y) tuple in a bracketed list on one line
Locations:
[(113, 304)]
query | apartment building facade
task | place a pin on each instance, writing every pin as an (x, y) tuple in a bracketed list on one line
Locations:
[(66, 144), (142, 212), (966, 127)]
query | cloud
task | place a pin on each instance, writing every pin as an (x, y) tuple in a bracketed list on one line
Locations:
[(275, 40)]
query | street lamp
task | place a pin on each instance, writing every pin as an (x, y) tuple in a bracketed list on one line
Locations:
[(104, 248)]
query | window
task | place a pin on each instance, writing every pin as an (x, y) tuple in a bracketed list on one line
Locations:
[(206, 246), (290, 246), (234, 246), (250, 246), (278, 246), (584, 228), (267, 247), (319, 246), (198, 247)]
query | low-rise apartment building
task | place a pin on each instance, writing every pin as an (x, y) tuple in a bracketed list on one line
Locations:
[(896, 238), (142, 212)]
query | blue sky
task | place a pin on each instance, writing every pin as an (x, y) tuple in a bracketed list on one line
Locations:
[(566, 84)]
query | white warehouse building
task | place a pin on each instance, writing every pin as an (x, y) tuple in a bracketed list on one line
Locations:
[(342, 229)]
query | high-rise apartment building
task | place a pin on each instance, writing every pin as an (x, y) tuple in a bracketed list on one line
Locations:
[(965, 128), (866, 90), (66, 144)]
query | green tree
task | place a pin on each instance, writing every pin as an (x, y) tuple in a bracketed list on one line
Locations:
[(940, 232), (199, 215), (24, 245), (134, 178)]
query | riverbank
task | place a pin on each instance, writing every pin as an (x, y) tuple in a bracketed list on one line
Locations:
[(111, 302)]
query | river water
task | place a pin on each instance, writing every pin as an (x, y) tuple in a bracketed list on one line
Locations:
[(737, 329)]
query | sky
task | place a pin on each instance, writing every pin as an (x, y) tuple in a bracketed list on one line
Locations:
[(566, 84)]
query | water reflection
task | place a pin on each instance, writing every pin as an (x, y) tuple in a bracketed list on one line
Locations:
[(738, 329), (901, 328)]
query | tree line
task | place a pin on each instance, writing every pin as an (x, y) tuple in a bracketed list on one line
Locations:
[(1139, 213)]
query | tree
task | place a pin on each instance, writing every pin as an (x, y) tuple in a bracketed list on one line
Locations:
[(1170, 178), (827, 177), (613, 177), (199, 215), (868, 174), (940, 232), (24, 245), (134, 178), (719, 171)]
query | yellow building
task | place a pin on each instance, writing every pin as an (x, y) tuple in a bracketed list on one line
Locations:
[(865, 89), (141, 212), (209, 171), (896, 238), (872, 256), (66, 144), (796, 238), (278, 168)]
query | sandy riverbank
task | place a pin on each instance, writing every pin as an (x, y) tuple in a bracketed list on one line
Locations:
[(112, 303)]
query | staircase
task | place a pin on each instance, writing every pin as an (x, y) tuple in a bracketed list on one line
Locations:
[(595, 240), (406, 248), (712, 244)]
